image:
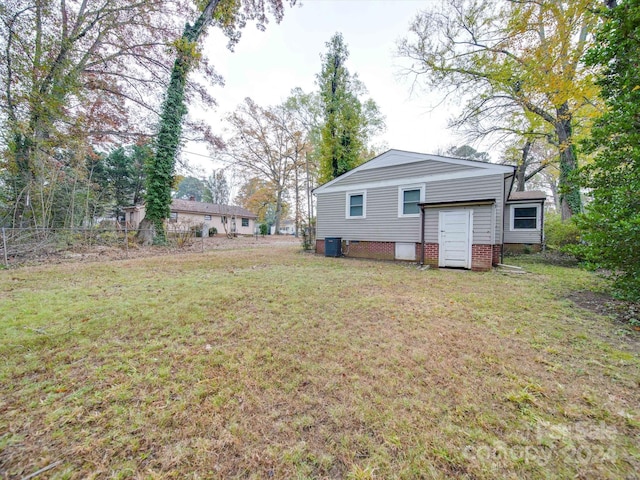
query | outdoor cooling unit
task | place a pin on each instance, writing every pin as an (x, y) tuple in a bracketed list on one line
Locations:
[(333, 247)]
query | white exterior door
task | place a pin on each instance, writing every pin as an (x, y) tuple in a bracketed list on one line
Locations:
[(455, 238)]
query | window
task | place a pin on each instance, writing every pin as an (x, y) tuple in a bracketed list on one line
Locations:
[(224, 219), (245, 222), (525, 217), (207, 217), (173, 217), (408, 199), (356, 205)]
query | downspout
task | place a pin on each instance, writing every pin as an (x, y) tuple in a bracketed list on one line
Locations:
[(422, 235), (504, 207), (542, 245)]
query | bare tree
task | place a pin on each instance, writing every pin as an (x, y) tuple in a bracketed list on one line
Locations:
[(267, 143)]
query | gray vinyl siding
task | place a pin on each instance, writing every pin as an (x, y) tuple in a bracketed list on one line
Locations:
[(476, 188), (417, 169), (382, 222), (519, 236)]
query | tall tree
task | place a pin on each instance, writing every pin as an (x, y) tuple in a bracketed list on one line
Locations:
[(268, 143), (231, 15), (306, 108), (348, 123), (124, 175), (611, 225), (71, 73), (518, 62), (216, 188), (190, 188), (467, 151), (258, 196)]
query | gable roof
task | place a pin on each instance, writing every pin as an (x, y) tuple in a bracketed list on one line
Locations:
[(528, 195), (191, 206), (395, 157)]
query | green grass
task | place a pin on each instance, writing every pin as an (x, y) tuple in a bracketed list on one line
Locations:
[(269, 363)]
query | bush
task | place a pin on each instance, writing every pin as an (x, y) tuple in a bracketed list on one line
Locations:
[(264, 229), (213, 231), (558, 234)]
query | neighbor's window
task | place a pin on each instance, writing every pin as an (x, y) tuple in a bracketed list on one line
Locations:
[(173, 217), (224, 219), (245, 222), (408, 200), (356, 205), (207, 217), (525, 217)]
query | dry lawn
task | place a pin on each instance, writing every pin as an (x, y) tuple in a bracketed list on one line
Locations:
[(271, 363)]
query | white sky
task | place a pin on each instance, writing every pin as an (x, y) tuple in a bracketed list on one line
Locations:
[(266, 66)]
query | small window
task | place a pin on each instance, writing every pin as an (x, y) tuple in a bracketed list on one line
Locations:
[(224, 219), (207, 217), (356, 205), (409, 199), (524, 217), (245, 222), (173, 217)]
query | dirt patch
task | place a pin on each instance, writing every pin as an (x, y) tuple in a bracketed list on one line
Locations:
[(603, 304)]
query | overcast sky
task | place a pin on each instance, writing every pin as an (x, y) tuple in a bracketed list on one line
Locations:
[(266, 66)]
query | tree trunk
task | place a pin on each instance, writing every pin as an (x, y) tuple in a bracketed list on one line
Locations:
[(146, 232), (278, 210), (297, 225), (521, 170), (161, 169), (570, 202)]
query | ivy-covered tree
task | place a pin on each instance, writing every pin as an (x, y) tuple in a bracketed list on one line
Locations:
[(348, 123), (231, 15), (611, 224)]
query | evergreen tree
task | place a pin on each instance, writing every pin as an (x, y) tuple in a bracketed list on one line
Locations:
[(347, 122), (611, 225)]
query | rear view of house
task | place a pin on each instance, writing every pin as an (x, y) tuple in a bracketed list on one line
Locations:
[(441, 211)]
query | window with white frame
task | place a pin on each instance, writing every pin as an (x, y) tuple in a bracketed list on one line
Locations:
[(173, 217), (356, 205), (408, 199), (525, 217), (207, 217), (245, 222)]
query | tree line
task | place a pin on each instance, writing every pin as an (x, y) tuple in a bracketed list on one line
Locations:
[(554, 82)]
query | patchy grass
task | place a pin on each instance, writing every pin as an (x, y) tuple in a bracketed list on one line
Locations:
[(275, 364)]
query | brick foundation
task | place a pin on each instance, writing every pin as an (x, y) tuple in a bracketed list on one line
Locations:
[(431, 254), (482, 257), (497, 253), (375, 250)]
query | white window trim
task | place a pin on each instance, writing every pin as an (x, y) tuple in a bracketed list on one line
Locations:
[(513, 206), (347, 213), (401, 191)]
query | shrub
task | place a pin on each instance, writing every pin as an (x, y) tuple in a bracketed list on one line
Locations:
[(264, 229), (213, 231), (558, 234)]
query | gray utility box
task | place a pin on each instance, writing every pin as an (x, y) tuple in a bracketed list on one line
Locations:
[(333, 247)]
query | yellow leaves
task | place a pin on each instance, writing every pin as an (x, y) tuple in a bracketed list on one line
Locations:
[(186, 48)]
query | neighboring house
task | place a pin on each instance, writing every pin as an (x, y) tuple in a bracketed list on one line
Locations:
[(441, 211), (287, 227), (189, 213)]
